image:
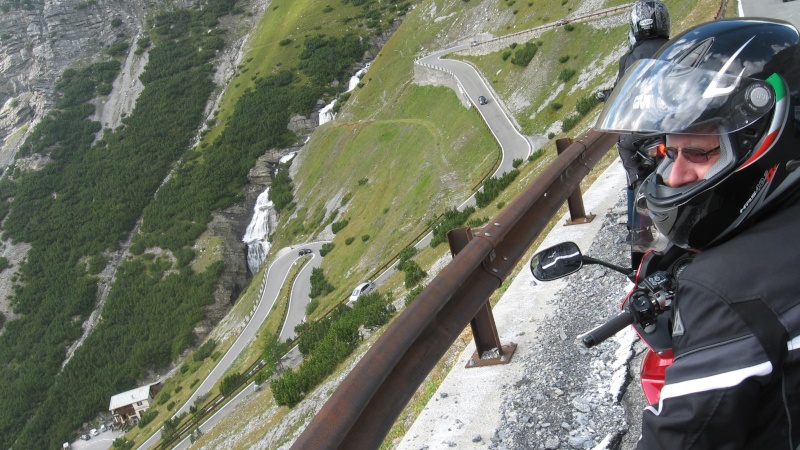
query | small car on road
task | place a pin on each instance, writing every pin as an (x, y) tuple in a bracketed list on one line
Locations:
[(361, 289), (304, 251), (482, 100)]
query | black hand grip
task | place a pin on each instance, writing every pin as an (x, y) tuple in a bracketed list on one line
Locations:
[(608, 329)]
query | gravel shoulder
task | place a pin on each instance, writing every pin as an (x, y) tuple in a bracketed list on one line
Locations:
[(554, 394)]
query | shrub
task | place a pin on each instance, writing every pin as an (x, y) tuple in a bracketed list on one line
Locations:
[(493, 186), (506, 55), (349, 240), (586, 104), (523, 56), (477, 222), (412, 294), (364, 238), (326, 248), (516, 163), (184, 256), (453, 218), (538, 153), (319, 284), (147, 418), (414, 273), (363, 181), (96, 264), (118, 50), (163, 397), (205, 350), (285, 42), (272, 353), (563, 59), (230, 383), (555, 106), (569, 27), (566, 74), (280, 191), (570, 122), (407, 253), (337, 226), (312, 306)]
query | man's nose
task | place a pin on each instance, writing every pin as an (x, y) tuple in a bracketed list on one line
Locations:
[(682, 172)]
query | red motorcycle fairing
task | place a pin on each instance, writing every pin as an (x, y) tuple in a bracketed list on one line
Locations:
[(652, 373)]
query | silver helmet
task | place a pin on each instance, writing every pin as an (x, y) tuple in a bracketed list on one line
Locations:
[(649, 19)]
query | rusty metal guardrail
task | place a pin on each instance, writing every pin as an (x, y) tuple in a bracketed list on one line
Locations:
[(363, 409)]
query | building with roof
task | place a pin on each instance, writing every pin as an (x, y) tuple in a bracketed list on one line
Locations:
[(131, 405)]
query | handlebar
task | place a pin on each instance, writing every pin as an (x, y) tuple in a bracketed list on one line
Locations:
[(608, 329)]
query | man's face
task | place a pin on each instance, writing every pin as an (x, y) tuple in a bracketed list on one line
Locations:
[(685, 171)]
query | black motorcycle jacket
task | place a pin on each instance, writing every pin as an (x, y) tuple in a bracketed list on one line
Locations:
[(735, 381)]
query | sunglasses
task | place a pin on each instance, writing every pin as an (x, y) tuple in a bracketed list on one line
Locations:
[(693, 155)]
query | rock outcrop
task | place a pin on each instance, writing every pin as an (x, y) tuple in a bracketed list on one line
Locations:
[(38, 41)]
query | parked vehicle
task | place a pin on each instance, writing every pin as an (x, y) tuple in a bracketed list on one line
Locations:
[(482, 100), (644, 307), (361, 289), (85, 437), (94, 432), (304, 251)]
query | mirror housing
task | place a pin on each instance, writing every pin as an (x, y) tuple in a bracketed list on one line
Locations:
[(557, 261)]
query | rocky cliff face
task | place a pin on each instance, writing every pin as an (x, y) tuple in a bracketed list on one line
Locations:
[(38, 40)]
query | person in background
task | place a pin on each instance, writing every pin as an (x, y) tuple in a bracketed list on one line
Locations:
[(649, 30), (724, 94)]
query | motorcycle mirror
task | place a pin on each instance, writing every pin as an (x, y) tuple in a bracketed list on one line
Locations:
[(557, 261)]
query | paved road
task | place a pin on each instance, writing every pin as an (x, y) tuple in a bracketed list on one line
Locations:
[(777, 9), (299, 298), (513, 144), (275, 278)]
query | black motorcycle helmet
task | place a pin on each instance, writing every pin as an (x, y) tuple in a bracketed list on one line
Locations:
[(649, 19), (738, 79)]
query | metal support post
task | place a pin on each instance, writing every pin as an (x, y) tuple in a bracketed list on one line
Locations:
[(488, 349), (577, 213)]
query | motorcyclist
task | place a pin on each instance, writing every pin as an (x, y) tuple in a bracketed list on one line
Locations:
[(649, 30), (728, 191)]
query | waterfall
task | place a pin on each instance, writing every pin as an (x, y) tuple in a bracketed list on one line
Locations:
[(325, 114), (257, 233)]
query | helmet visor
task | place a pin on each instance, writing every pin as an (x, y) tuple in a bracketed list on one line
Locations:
[(656, 96)]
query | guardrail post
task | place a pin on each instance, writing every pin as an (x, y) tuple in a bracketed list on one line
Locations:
[(577, 213), (488, 349)]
